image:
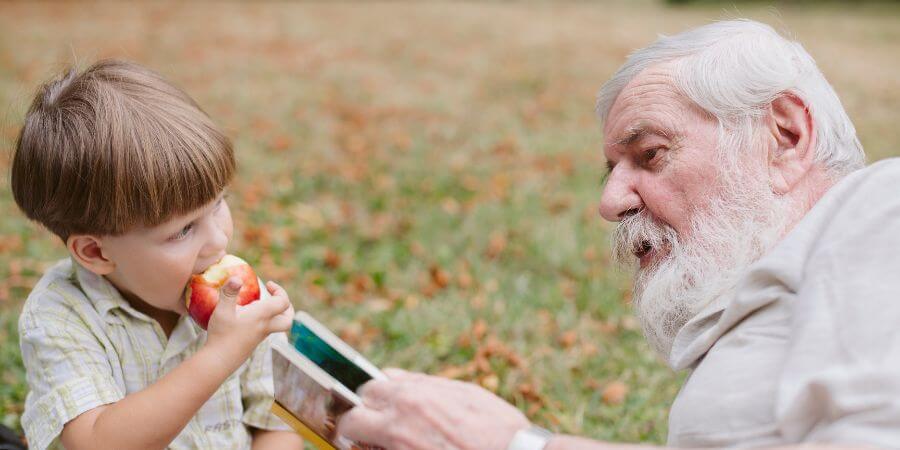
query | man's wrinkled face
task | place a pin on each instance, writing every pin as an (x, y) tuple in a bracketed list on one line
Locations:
[(693, 219), (660, 151)]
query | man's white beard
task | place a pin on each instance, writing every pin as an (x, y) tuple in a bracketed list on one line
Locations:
[(741, 223)]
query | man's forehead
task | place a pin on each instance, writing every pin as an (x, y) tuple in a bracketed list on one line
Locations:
[(650, 102)]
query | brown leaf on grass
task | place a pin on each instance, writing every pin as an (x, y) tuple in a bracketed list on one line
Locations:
[(568, 339), (609, 327), (559, 205), (505, 147), (629, 323), (457, 372), (401, 140), (589, 254), (450, 206), (494, 348), (262, 125), (258, 235), (490, 382), (479, 329), (464, 279), (411, 302), (281, 143), (478, 301), (362, 282), (474, 335), (10, 243), (417, 249), (589, 349), (593, 384), (274, 270), (569, 288), (499, 187), (496, 244), (530, 392), (439, 276), (308, 216), (360, 334), (614, 393), (379, 304), (251, 194), (332, 259)]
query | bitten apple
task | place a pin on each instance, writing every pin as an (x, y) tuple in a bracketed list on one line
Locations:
[(202, 292)]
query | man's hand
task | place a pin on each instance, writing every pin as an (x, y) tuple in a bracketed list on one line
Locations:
[(418, 412), (235, 331)]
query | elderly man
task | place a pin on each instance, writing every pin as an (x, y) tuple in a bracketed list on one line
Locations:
[(766, 259)]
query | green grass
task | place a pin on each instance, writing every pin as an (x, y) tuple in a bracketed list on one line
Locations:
[(424, 178)]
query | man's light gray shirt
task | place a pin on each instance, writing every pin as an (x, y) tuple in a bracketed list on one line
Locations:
[(807, 347)]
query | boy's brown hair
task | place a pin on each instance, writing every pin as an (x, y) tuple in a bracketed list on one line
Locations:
[(114, 147)]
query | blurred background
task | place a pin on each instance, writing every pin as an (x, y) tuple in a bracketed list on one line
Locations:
[(424, 177)]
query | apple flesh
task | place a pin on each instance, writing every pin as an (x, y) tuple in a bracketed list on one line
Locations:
[(202, 292)]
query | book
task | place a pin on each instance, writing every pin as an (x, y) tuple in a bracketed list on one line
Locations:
[(309, 393)]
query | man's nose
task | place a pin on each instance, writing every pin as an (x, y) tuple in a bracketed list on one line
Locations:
[(620, 198)]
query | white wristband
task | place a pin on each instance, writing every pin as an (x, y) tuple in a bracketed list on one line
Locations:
[(534, 438)]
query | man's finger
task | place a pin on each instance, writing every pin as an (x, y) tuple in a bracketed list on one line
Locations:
[(398, 374), (365, 425), (375, 393)]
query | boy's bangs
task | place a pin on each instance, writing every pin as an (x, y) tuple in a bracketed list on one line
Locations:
[(173, 167)]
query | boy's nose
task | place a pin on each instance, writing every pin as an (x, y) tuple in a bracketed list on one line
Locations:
[(217, 243)]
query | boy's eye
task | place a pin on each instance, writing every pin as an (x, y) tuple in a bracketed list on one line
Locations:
[(181, 234)]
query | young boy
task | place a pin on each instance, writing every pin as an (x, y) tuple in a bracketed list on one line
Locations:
[(130, 173)]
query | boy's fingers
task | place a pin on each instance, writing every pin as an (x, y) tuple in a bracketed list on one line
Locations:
[(275, 289), (229, 291), (270, 307), (282, 322)]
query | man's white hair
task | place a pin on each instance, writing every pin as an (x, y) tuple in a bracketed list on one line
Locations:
[(733, 70)]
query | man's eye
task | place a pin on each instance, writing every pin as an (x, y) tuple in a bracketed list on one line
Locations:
[(651, 154), (181, 234)]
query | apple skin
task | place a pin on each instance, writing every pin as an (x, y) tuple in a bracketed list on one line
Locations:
[(202, 292)]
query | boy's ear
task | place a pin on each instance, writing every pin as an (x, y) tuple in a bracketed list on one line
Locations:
[(792, 137), (88, 251)]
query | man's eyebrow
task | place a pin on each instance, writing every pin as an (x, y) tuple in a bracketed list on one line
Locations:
[(638, 131)]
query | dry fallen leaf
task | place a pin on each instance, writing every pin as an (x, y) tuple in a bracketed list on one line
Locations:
[(491, 382), (614, 393), (568, 339), (332, 259)]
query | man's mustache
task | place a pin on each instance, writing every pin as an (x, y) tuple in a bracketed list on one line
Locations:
[(640, 233)]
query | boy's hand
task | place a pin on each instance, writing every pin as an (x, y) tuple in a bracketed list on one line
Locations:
[(235, 331)]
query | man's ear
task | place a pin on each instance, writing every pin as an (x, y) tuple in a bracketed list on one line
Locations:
[(88, 251), (792, 137)]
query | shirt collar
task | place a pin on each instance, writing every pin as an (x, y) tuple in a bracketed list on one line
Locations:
[(103, 294)]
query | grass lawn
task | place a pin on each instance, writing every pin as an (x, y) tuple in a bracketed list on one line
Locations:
[(424, 178)]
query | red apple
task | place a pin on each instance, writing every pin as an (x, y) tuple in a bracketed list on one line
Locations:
[(202, 292)]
